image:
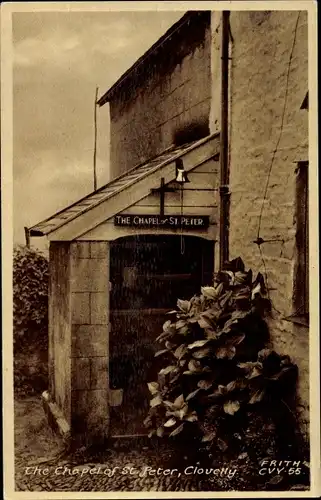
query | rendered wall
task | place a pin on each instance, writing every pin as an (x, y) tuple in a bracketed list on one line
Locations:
[(175, 93), (261, 51)]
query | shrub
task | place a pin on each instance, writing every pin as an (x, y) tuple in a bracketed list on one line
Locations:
[(217, 370), (30, 294), (30, 320)]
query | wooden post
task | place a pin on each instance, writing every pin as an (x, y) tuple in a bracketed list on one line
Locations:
[(95, 139), (161, 191), (224, 189), (27, 237)]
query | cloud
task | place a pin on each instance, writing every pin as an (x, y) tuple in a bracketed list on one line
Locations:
[(59, 59)]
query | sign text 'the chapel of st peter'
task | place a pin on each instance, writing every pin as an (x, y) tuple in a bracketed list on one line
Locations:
[(166, 221)]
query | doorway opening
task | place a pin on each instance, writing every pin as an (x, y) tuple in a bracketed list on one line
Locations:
[(148, 274)]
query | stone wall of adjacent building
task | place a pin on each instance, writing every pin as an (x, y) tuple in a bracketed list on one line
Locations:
[(59, 326), (270, 65), (89, 340), (172, 94)]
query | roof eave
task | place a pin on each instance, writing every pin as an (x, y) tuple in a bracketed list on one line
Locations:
[(167, 35), (36, 232)]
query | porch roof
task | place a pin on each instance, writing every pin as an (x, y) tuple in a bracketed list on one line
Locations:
[(114, 188)]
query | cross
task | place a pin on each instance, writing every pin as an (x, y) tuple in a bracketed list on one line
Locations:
[(161, 191)]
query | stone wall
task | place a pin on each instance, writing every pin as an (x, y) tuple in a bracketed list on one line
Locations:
[(59, 326), (260, 83), (89, 340), (174, 94)]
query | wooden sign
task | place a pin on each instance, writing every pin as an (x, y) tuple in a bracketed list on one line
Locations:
[(167, 221)]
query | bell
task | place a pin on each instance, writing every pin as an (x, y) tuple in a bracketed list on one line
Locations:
[(181, 175)]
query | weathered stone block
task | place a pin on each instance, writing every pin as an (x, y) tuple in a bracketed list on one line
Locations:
[(89, 340), (99, 373), (98, 250), (80, 250), (90, 414), (80, 308), (98, 308), (80, 373), (89, 275)]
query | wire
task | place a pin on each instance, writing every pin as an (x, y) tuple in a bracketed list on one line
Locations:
[(259, 239), (267, 281), (182, 237), (282, 124)]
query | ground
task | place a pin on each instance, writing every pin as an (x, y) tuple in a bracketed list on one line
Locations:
[(38, 448)]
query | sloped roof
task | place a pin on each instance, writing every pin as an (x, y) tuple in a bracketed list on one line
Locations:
[(111, 189), (163, 44)]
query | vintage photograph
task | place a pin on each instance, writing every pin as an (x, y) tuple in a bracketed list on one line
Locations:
[(164, 272)]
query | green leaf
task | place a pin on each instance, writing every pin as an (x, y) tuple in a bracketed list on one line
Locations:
[(148, 421), (192, 417), (231, 386), (159, 353), (209, 437), (236, 315), (236, 339), (162, 337), (205, 323), (194, 366), (167, 326), (209, 292), (201, 353), (220, 391), (160, 432), (169, 345), (183, 305), (231, 407), (183, 412), (241, 277), (167, 369), (179, 402), (156, 401), (153, 387), (248, 366), (192, 394), (198, 343), (177, 430), (204, 384), (256, 372), (225, 298), (180, 351), (169, 405), (225, 352), (257, 396), (170, 422), (193, 319)]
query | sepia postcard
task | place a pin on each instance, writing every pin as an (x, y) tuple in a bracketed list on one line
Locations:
[(160, 250)]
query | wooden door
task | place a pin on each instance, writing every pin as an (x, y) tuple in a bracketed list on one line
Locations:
[(148, 275)]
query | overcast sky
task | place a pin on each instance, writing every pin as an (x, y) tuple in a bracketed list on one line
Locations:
[(59, 59)]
